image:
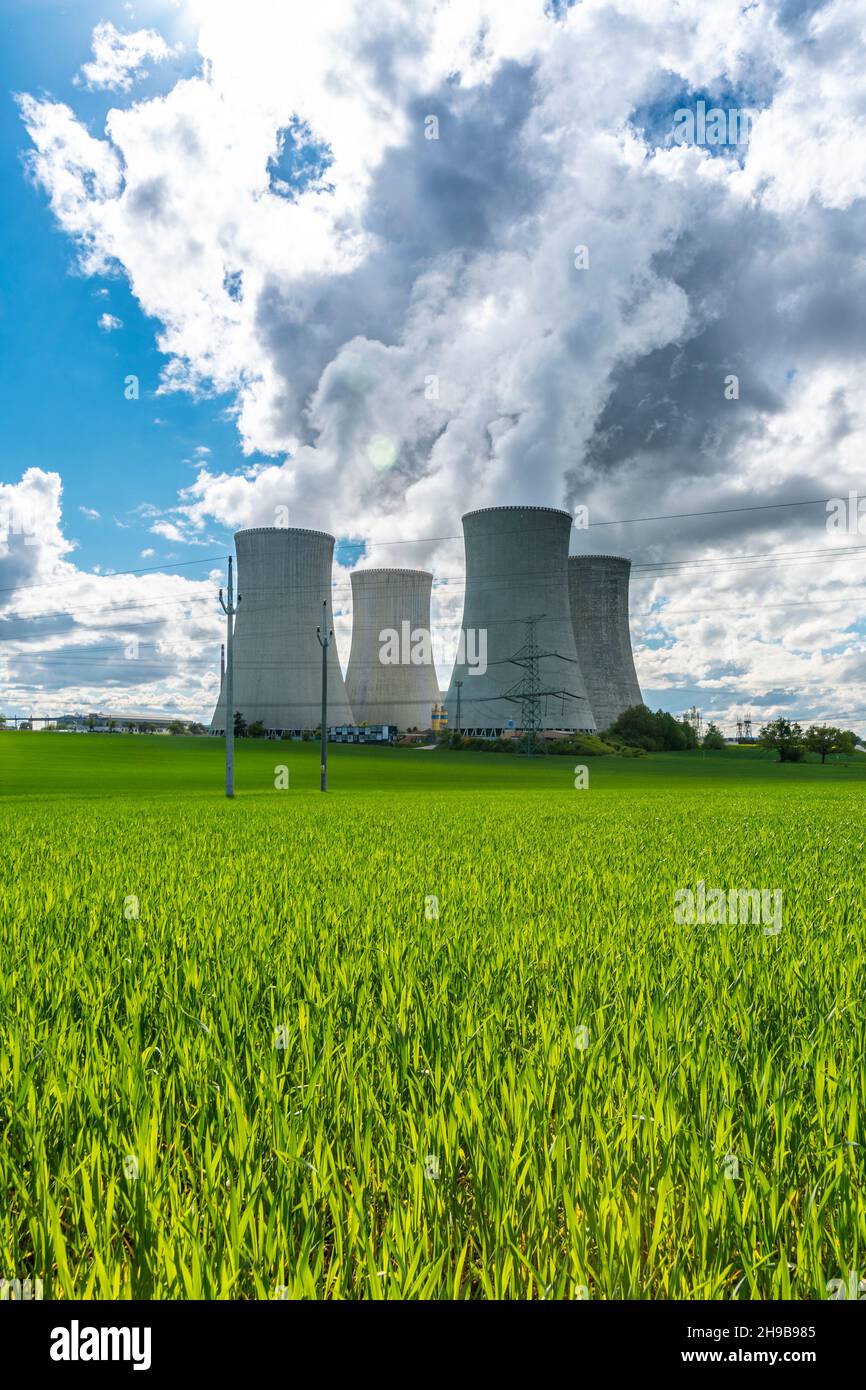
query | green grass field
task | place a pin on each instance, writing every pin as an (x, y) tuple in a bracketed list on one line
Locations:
[(239, 1059)]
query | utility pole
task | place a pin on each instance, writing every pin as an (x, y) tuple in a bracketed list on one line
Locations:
[(222, 663), (230, 609), (324, 643), (458, 685)]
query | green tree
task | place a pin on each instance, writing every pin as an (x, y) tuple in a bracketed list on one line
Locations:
[(145, 727), (714, 738), (240, 724), (90, 721), (636, 726), (826, 738), (111, 723), (661, 732), (176, 727), (785, 737), (256, 729)]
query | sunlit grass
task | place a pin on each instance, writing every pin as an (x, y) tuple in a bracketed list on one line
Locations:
[(325, 1094)]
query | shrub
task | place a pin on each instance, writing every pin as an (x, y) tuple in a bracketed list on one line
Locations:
[(658, 732), (580, 745), (714, 738)]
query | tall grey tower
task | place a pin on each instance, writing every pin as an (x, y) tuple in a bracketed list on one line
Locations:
[(598, 590), (401, 692), (517, 568), (284, 574)]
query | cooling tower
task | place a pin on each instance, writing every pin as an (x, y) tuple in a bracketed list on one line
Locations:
[(391, 678), (284, 574), (517, 568), (598, 589)]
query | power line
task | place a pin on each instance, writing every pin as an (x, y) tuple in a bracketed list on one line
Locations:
[(659, 613), (109, 608), (114, 574), (764, 556), (721, 564), (634, 520), (718, 511), (710, 695), (431, 540), (753, 607), (704, 565)]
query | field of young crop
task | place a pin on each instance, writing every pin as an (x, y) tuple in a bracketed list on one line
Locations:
[(241, 1055)]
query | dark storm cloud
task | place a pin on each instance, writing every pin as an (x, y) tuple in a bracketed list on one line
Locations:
[(464, 189), (766, 304), (456, 195)]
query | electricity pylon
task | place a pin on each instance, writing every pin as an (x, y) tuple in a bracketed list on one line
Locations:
[(528, 689)]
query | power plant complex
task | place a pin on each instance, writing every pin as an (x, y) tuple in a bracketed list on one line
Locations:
[(544, 641)]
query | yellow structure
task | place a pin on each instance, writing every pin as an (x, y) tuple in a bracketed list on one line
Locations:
[(439, 719)]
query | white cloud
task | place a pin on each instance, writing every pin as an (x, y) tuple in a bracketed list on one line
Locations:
[(809, 143), (419, 301), (80, 640), (109, 322), (90, 513), (168, 530), (147, 553), (119, 59)]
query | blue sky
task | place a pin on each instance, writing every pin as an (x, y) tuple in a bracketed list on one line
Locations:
[(266, 199), (61, 376)]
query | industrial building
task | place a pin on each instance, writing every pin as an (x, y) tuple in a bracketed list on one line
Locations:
[(517, 598), (598, 593), (544, 642), (363, 733), (391, 678), (284, 574)]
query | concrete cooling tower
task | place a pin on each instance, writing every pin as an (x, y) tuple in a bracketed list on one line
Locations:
[(516, 568), (284, 574), (391, 678), (598, 590)]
